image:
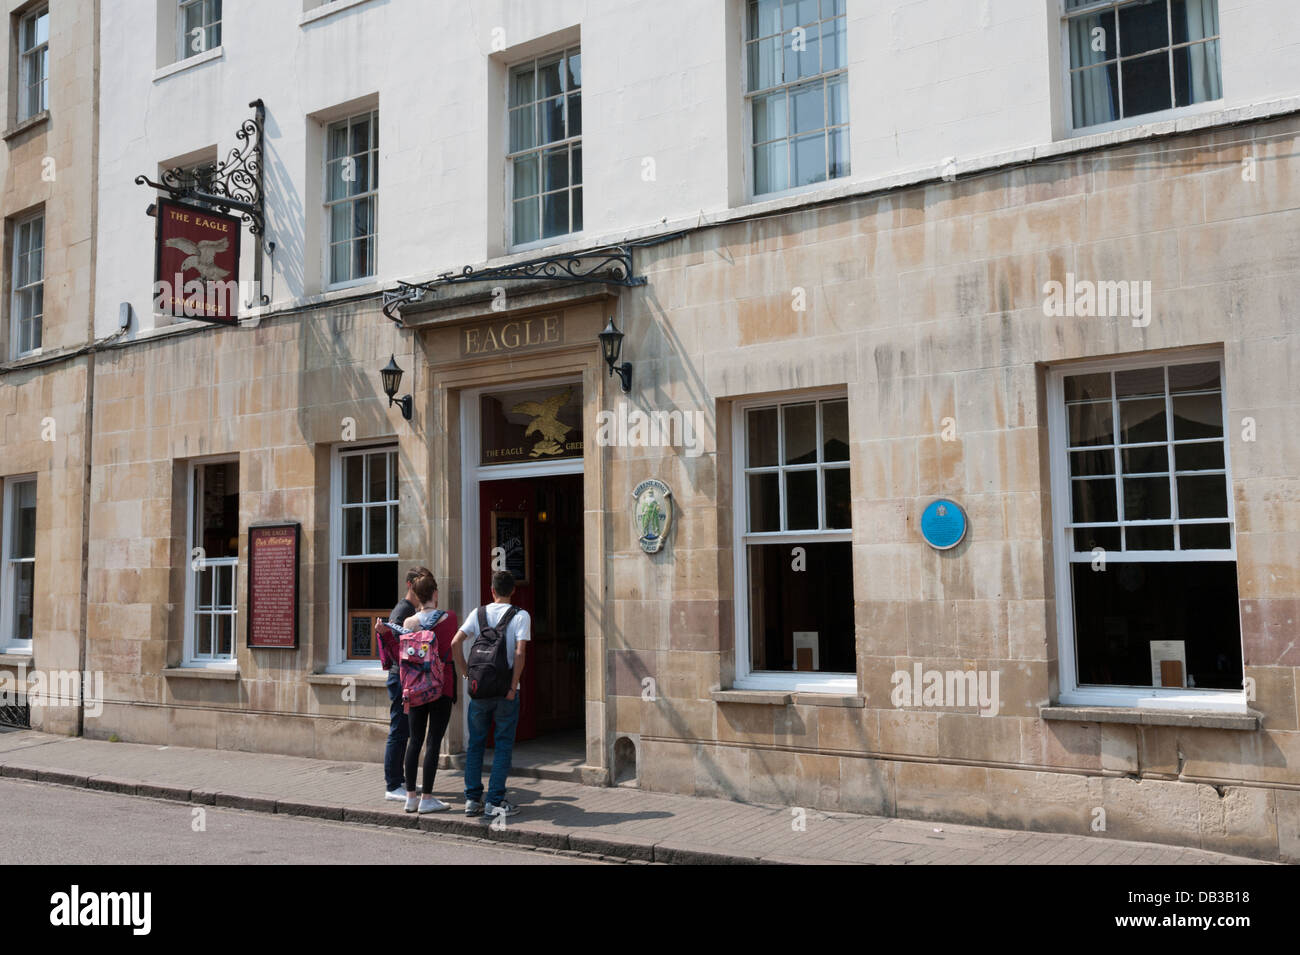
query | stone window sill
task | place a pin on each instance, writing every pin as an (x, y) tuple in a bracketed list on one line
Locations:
[(31, 122), (180, 66), (201, 673), (16, 660), (361, 678), (785, 698), (1197, 719)]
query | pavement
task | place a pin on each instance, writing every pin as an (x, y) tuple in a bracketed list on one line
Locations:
[(610, 823)]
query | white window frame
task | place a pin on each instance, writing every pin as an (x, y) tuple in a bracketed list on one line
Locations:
[(338, 659), (194, 489), (745, 677), (328, 204), (15, 336), (25, 57), (8, 642), (569, 142), (183, 40), (747, 119), (1175, 112), (1071, 693)]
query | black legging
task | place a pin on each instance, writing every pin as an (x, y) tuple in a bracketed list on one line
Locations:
[(435, 717)]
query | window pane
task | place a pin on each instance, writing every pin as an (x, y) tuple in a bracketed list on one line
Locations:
[(225, 635), (555, 165), (770, 167), (225, 588), (24, 543), (1150, 460), (1200, 377), (834, 45), (203, 635), (1146, 499), (577, 210), (1146, 84), (808, 107), (1198, 416), (1092, 39), (555, 214), (1091, 387), (800, 500), (575, 114), (551, 120), (1090, 423), (1089, 538), (803, 63), (1198, 457), (839, 505), (527, 223), (761, 437), (1148, 538), (809, 160), (341, 262), (838, 145), (837, 91), (802, 619), (377, 542), (1093, 502), (769, 117), (1094, 94), (378, 483), (24, 583), (1090, 463), (764, 63), (548, 78), (219, 518), (1140, 382), (576, 165), (1143, 26), (352, 524), (799, 13), (363, 258), (800, 433), (1204, 537), (835, 430), (764, 503), (764, 18), (1142, 420), (522, 132), (573, 80), (525, 177), (522, 88), (1203, 496)]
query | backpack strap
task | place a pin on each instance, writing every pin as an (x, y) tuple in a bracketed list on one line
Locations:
[(504, 623), (482, 619)]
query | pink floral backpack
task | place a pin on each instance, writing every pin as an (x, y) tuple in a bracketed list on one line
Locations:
[(421, 670)]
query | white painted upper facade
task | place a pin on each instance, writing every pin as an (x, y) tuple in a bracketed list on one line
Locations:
[(933, 85)]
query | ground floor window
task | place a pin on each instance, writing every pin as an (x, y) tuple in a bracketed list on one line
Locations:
[(1147, 537), (794, 544), (214, 561), (19, 563), (367, 574)]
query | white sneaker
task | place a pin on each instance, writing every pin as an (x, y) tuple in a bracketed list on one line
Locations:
[(397, 795), (432, 804), (411, 802)]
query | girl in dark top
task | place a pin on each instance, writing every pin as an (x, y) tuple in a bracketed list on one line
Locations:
[(431, 717)]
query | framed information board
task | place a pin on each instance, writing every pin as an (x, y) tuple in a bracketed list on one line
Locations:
[(273, 585), (510, 533)]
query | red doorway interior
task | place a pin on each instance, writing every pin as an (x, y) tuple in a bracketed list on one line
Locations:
[(538, 524)]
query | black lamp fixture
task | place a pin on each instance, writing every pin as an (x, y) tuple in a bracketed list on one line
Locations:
[(611, 343), (392, 377)]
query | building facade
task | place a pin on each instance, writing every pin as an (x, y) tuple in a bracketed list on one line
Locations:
[(1022, 274)]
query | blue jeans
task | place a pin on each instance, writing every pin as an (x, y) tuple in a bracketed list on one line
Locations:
[(399, 731), (481, 715)]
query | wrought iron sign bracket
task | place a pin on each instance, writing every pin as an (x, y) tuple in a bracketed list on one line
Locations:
[(607, 266), (233, 185)]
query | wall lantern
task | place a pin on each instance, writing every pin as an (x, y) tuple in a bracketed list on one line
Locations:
[(611, 343), (392, 377)]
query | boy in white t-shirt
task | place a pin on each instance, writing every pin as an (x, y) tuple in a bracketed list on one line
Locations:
[(504, 710)]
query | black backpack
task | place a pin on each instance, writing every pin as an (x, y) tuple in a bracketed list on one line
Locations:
[(489, 672)]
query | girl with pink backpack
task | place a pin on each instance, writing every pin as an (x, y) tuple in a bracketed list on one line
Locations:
[(428, 699)]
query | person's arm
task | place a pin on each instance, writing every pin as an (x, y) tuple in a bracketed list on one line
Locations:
[(457, 656), (521, 651)]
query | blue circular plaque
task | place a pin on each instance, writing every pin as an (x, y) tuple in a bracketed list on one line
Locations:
[(943, 524)]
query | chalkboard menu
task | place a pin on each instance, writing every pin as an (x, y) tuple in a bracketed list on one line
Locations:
[(273, 585)]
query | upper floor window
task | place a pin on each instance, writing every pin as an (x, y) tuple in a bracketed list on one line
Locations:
[(199, 27), (28, 305), (1141, 56), (34, 63), (797, 92), (545, 104), (351, 196)]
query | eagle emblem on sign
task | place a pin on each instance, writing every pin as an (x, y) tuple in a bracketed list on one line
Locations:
[(550, 429)]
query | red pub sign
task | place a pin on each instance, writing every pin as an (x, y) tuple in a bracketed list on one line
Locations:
[(273, 585), (196, 273)]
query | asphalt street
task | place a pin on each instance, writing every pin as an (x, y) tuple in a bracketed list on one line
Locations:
[(50, 824)]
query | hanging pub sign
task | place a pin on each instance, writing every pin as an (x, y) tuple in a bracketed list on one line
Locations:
[(196, 270), (273, 585), (540, 424)]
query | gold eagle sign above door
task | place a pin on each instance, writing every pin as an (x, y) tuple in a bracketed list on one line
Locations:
[(539, 424)]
